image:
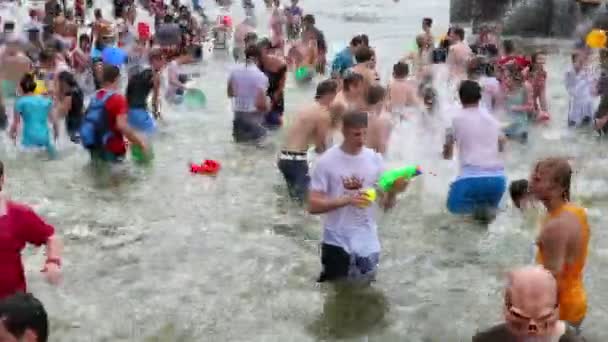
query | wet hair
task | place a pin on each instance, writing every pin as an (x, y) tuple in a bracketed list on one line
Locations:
[(98, 14), (364, 39), (67, 78), (265, 43), (251, 37), (427, 22), (139, 88), (508, 46), (351, 79), (561, 173), (253, 52), (309, 18), (364, 54), (459, 31), (356, 41), (375, 95), (469, 92), (325, 88), (84, 37), (47, 56), (354, 120), (28, 83), (401, 70), (111, 73), (534, 60), (518, 189), (22, 312)]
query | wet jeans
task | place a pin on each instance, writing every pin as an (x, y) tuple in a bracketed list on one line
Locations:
[(247, 127), (294, 167)]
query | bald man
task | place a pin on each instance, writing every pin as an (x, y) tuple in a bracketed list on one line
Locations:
[(531, 310)]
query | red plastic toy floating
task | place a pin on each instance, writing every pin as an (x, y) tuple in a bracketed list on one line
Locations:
[(208, 167)]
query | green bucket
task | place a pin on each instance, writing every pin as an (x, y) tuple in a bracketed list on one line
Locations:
[(139, 156), (195, 98), (303, 74)]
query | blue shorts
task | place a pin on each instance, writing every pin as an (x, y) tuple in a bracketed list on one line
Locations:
[(471, 193)]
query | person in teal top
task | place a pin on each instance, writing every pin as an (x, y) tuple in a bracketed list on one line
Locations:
[(344, 60), (35, 112)]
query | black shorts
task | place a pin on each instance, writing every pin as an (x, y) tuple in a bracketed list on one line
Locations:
[(339, 265), (246, 127)]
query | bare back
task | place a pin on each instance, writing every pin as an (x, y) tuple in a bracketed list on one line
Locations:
[(310, 127)]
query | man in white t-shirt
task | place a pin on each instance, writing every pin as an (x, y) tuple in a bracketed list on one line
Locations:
[(350, 249), (247, 86), (477, 134)]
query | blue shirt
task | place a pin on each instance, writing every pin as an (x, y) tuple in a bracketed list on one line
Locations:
[(34, 110), (342, 62)]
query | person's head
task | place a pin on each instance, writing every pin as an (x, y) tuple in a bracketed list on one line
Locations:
[(84, 41), (67, 81), (539, 58), (251, 38), (364, 55), (355, 43), (157, 59), (294, 2), (520, 193), (354, 129), (427, 24), (98, 14), (326, 92), (508, 47), (308, 21), (457, 34), (23, 319), (550, 179), (401, 70), (469, 93), (531, 306), (69, 14), (375, 98), (353, 83), (364, 39), (253, 54), (47, 58), (111, 76), (107, 35), (139, 86), (264, 45)]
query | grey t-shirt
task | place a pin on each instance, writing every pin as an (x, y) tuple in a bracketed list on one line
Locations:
[(351, 228), (500, 333)]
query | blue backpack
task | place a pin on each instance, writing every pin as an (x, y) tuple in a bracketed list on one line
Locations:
[(95, 128)]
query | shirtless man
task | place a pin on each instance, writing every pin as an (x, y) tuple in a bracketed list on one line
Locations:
[(564, 236), (311, 126), (530, 310), (401, 92), (379, 122), (13, 65), (364, 58), (459, 55), (350, 98)]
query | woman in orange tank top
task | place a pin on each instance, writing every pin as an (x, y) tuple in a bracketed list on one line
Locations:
[(564, 237)]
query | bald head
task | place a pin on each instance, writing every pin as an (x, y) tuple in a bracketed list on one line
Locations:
[(532, 289)]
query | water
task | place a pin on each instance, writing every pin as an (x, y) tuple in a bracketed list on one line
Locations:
[(164, 255)]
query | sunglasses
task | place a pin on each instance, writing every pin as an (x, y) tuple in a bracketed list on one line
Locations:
[(523, 323)]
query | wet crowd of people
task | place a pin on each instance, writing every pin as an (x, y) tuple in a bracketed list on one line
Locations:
[(104, 83)]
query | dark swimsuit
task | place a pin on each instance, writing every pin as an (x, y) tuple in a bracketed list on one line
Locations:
[(273, 119)]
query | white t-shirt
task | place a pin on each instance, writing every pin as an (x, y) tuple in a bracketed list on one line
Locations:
[(476, 133), (351, 228), (490, 87), (247, 80)]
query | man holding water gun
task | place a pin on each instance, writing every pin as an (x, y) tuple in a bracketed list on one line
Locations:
[(342, 187)]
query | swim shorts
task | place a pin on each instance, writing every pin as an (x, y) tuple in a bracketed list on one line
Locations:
[(339, 265)]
